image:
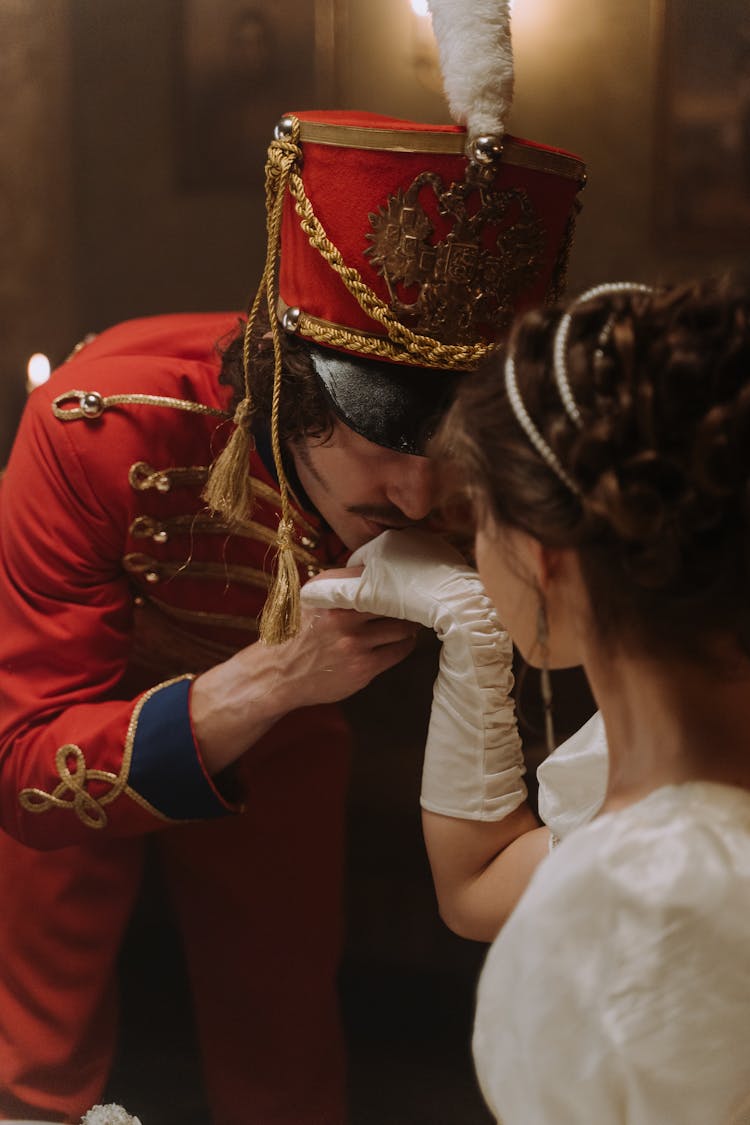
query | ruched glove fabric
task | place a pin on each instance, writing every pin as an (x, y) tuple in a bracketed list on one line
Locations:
[(473, 765)]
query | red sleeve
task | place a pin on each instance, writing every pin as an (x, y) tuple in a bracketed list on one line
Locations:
[(74, 757)]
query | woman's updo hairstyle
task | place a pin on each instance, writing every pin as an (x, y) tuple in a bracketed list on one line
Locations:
[(652, 484)]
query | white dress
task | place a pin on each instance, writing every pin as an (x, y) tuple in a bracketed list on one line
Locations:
[(618, 993), (573, 779)]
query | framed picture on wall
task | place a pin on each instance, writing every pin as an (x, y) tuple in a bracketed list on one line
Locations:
[(703, 134), (240, 65)]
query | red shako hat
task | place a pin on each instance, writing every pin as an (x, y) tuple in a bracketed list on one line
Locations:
[(395, 244)]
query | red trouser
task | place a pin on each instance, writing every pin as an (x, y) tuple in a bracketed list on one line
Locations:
[(258, 898)]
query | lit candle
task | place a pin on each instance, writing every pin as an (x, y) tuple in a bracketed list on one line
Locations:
[(37, 371)]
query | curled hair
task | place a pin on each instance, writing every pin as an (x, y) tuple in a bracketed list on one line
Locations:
[(662, 461), (303, 408)]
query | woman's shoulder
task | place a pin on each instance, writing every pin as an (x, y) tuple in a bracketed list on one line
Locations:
[(646, 894), (646, 915), (683, 846)]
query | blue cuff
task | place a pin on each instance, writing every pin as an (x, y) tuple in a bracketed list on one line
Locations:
[(165, 768)]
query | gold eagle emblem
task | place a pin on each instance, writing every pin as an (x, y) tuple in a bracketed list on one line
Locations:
[(450, 287)]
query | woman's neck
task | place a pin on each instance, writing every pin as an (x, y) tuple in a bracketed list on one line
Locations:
[(669, 722)]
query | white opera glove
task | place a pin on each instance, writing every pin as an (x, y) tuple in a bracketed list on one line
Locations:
[(473, 765)]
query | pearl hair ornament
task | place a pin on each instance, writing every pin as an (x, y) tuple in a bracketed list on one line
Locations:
[(561, 378), (560, 346), (532, 433)]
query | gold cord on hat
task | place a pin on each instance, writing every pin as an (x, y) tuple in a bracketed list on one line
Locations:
[(229, 487), (281, 613)]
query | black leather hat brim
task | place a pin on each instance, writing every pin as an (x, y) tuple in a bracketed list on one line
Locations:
[(393, 405)]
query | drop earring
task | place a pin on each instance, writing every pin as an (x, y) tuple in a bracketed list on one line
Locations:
[(542, 640)]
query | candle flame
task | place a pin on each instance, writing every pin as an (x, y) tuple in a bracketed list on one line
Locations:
[(38, 369)]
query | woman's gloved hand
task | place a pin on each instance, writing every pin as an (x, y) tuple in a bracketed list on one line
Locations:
[(473, 766)]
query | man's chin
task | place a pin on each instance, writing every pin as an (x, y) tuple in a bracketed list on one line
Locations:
[(360, 530), (352, 540)]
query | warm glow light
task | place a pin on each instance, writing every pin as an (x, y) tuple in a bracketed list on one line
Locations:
[(420, 8), (532, 16), (37, 370)]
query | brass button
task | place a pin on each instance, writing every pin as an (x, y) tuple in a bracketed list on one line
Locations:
[(162, 483), (306, 541), (160, 536), (152, 576), (283, 128), (290, 319), (92, 404)]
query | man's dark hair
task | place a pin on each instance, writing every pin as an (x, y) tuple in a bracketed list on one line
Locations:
[(304, 409)]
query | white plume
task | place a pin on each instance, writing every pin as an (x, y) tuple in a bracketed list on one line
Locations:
[(476, 59)]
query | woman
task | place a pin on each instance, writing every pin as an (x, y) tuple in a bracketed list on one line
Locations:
[(608, 471), (610, 484)]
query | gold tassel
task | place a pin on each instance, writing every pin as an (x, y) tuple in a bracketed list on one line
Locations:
[(280, 618), (228, 489)]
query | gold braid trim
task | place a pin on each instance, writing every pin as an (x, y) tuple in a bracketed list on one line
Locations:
[(72, 794), (91, 405), (367, 344), (161, 531), (203, 617), (339, 336), (155, 571), (142, 477)]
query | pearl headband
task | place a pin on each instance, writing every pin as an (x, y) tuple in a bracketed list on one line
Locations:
[(532, 433), (561, 379), (560, 346)]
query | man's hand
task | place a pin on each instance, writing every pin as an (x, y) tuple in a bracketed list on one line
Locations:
[(338, 651), (335, 653)]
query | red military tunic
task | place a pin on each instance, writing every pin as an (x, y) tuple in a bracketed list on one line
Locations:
[(116, 585)]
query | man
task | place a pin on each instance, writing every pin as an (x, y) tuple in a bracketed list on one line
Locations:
[(135, 694)]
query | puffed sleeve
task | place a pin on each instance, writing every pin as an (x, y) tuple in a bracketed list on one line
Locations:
[(76, 757), (618, 993)]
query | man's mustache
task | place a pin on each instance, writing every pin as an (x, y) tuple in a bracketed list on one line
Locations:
[(387, 514)]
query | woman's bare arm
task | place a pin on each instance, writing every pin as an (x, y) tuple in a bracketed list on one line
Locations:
[(481, 868)]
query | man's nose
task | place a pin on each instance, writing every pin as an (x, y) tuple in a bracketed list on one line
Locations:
[(412, 486)]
